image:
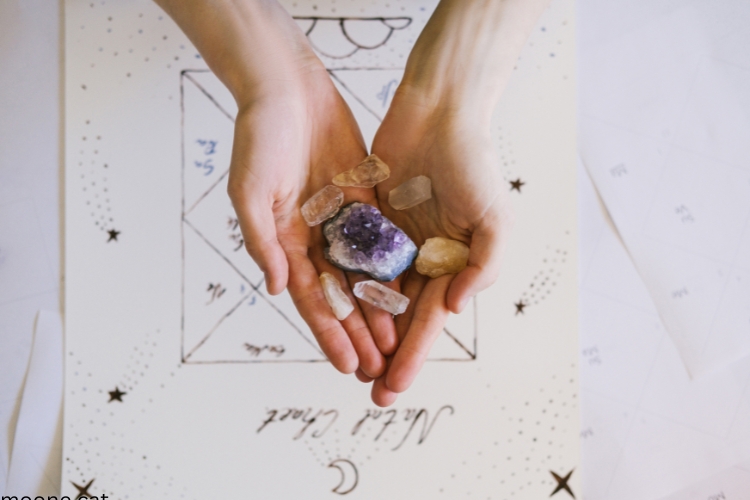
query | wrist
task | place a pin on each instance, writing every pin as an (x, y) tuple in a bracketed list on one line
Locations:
[(466, 54)]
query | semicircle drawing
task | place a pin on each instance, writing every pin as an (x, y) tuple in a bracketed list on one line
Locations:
[(349, 476)]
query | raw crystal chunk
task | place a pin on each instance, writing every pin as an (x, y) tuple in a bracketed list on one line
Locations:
[(439, 256), (381, 296), (411, 193), (360, 239), (368, 173), (322, 205), (338, 300)]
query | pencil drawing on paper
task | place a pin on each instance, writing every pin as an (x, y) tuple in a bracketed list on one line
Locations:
[(227, 317)]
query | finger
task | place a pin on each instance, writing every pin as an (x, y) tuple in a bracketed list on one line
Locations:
[(381, 395), (307, 294), (430, 315), (381, 323), (362, 377), (258, 227), (485, 257), (411, 286), (371, 360)]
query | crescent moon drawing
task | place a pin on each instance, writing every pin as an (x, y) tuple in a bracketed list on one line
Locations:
[(348, 483)]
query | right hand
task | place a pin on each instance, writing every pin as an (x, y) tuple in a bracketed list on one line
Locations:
[(291, 138)]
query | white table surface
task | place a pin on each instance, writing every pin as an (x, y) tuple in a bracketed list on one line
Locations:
[(30, 152)]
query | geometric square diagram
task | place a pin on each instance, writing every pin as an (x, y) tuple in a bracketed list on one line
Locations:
[(227, 317)]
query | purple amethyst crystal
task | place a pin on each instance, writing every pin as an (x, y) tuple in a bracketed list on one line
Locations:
[(361, 240)]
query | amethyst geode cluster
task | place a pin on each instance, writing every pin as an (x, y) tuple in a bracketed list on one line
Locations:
[(360, 239)]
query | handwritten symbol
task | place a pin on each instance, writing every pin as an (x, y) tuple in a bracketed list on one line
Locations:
[(385, 92), (252, 301), (210, 146), (680, 293), (685, 216), (216, 291), (592, 355), (236, 236), (206, 165), (587, 433), (618, 170), (255, 350), (344, 466)]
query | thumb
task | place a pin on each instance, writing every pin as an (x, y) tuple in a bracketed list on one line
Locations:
[(258, 226), (485, 256)]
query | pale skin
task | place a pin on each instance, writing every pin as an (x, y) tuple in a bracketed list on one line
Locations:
[(294, 132)]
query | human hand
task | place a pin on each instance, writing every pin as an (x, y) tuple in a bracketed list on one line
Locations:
[(468, 204), (288, 147)]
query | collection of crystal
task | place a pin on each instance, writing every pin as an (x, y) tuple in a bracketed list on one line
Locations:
[(360, 239)]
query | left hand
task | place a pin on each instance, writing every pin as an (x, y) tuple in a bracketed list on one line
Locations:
[(468, 204)]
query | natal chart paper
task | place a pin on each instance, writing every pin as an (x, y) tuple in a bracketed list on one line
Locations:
[(185, 379)]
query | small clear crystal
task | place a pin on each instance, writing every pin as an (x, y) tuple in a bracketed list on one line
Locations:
[(371, 171), (322, 205), (439, 256), (338, 300), (411, 193), (381, 296)]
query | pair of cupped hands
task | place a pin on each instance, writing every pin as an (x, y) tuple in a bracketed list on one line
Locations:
[(293, 134)]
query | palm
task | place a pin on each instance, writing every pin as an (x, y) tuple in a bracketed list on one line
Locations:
[(288, 149)]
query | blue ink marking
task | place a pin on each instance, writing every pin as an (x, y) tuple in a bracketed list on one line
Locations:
[(209, 145), (206, 165), (385, 92), (242, 288), (252, 301)]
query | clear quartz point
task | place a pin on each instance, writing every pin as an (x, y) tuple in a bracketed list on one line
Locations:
[(338, 300), (322, 205), (381, 296), (411, 193), (371, 171), (439, 256)]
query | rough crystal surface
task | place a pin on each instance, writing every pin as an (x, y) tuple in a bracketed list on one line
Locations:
[(338, 300), (368, 173), (439, 256), (381, 296), (322, 205), (360, 239), (411, 193)]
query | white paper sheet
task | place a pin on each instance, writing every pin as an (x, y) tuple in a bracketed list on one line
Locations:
[(731, 484), (647, 429), (35, 464), (500, 422), (665, 132), (29, 181)]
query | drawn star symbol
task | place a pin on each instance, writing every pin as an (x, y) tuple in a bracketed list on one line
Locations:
[(516, 184), (83, 491), (116, 395), (113, 233), (519, 307), (562, 483)]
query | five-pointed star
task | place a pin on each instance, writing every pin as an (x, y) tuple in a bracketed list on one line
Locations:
[(519, 306), (516, 184), (116, 395), (83, 491), (562, 483), (113, 233)]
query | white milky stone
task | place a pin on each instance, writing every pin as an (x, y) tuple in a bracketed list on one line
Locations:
[(338, 300), (411, 193), (322, 205), (381, 296)]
